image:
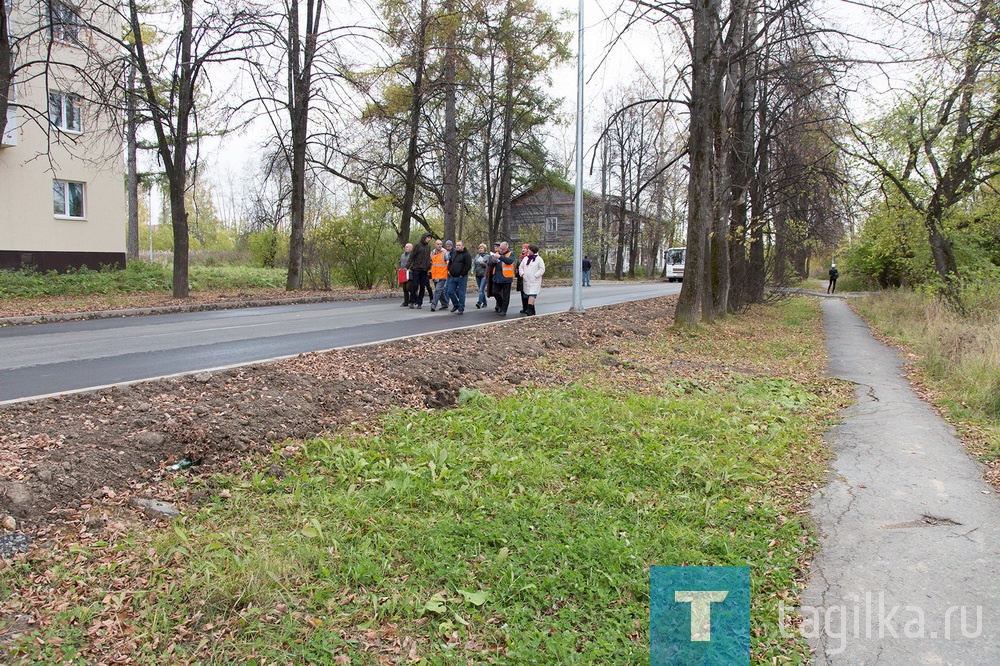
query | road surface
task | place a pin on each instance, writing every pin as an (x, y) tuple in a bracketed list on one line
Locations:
[(54, 358)]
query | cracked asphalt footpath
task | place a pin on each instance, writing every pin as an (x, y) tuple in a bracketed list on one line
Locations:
[(910, 533)]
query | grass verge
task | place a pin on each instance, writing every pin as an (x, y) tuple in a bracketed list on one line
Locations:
[(514, 529), (958, 357), (138, 277)]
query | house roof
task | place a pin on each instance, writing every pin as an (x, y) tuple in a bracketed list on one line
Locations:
[(589, 197)]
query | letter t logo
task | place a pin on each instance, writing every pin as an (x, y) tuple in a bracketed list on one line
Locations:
[(701, 611)]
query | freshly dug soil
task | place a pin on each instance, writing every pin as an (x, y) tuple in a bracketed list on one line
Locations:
[(60, 454)]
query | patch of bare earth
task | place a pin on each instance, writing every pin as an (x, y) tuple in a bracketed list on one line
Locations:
[(62, 457)]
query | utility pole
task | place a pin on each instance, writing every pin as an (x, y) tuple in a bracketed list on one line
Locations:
[(577, 291)]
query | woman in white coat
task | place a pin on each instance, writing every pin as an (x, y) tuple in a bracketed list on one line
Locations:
[(531, 269)]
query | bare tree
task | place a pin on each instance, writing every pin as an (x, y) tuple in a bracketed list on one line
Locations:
[(171, 84), (943, 139), (731, 139)]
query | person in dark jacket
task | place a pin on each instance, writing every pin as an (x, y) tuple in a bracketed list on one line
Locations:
[(585, 269), (834, 274), (419, 265), (479, 263), (459, 265), (503, 276), (491, 266)]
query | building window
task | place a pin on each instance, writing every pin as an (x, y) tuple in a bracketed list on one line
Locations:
[(67, 199), (64, 112), (64, 22), (551, 225)]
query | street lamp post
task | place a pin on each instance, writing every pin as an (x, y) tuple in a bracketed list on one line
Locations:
[(149, 212), (577, 292)]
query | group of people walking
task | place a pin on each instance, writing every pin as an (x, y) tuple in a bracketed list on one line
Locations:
[(442, 273)]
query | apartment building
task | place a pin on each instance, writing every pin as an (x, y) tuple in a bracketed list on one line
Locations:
[(62, 194)]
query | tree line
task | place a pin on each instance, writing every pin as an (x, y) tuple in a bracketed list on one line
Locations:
[(746, 145), (434, 106)]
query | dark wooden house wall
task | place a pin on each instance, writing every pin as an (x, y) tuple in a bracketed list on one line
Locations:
[(529, 212)]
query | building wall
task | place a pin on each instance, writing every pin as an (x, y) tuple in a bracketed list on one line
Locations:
[(530, 211), (31, 233)]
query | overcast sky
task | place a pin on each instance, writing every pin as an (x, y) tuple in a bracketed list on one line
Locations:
[(644, 50)]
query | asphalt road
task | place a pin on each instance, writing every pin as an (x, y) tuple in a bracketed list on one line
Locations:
[(46, 359)]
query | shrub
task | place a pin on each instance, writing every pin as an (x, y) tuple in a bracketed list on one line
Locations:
[(358, 248), (268, 247), (558, 264)]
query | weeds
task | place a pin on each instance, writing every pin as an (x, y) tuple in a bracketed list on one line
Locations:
[(138, 277), (960, 354)]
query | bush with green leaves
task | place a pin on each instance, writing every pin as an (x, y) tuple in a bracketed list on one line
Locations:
[(138, 277), (358, 248), (558, 264), (268, 247), (891, 251)]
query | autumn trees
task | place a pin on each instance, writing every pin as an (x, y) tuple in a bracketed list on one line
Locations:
[(437, 107), (460, 111), (764, 174), (171, 78), (938, 146)]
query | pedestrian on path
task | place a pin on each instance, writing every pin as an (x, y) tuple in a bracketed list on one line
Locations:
[(503, 277), (519, 286), (531, 269), (403, 275), (459, 265), (479, 264), (439, 275), (419, 263), (834, 274), (491, 267), (585, 269)]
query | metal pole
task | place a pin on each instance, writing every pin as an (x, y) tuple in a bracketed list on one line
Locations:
[(577, 293), (150, 221)]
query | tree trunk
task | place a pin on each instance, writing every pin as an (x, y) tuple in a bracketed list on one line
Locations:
[(451, 152), (505, 186), (605, 208), (692, 303), (301, 55), (410, 184), (941, 250), (179, 223), (132, 184), (756, 277), (177, 169)]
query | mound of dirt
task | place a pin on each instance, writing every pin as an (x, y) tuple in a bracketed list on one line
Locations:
[(61, 453)]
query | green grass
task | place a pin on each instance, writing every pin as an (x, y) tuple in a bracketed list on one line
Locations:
[(138, 277), (508, 531)]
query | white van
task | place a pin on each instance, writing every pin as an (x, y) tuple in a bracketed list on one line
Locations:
[(674, 258)]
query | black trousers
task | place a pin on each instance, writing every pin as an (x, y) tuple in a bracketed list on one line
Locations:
[(419, 284), (501, 290)]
